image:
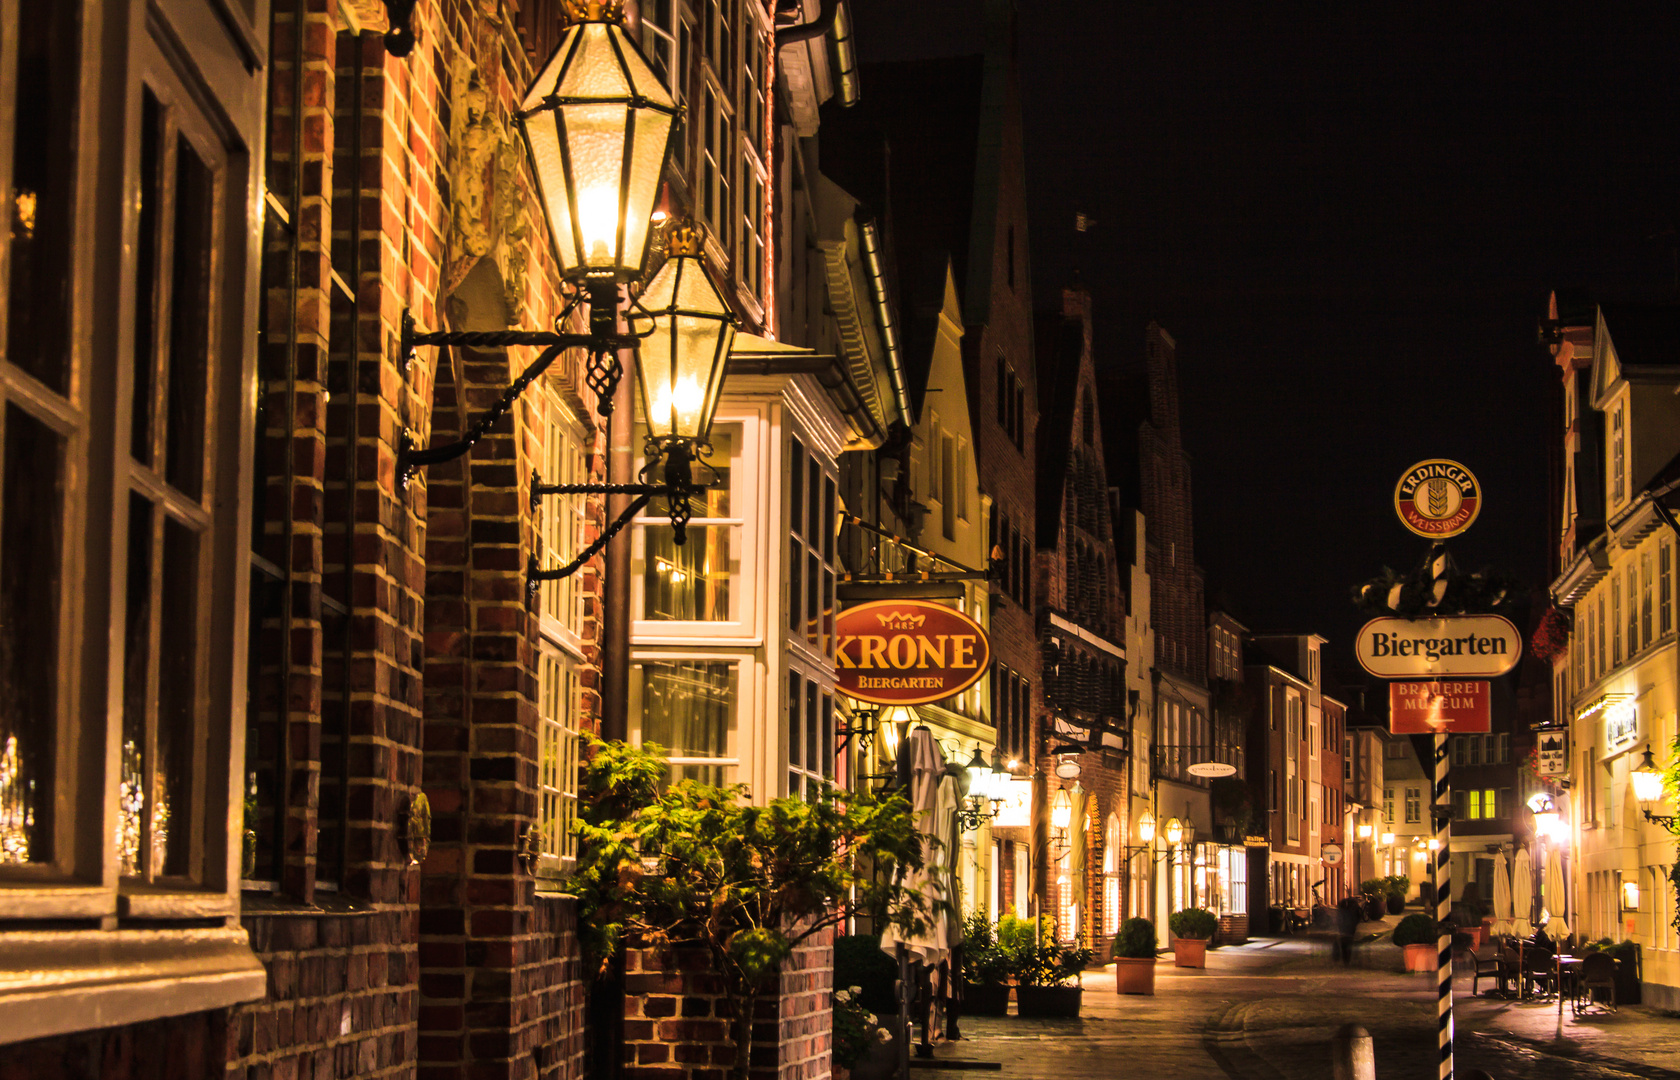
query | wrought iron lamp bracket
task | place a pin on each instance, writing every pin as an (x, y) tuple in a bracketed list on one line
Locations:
[(602, 373), (677, 457), (1664, 820)]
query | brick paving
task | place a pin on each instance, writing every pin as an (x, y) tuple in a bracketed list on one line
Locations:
[(1268, 1011)]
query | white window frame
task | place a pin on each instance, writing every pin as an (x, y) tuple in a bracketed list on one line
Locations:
[(561, 524), (1618, 454), (822, 678), (746, 477), (559, 741), (748, 704)]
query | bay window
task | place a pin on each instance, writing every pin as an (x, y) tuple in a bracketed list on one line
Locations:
[(706, 580), (126, 342)]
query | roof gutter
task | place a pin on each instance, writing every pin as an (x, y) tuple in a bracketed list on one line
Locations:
[(830, 373), (883, 315)]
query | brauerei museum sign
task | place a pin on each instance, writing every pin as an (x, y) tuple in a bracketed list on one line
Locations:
[(907, 652)]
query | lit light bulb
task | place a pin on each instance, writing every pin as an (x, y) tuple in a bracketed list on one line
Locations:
[(688, 399), (598, 219)]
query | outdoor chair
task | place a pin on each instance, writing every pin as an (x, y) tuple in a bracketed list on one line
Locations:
[(1490, 964), (1598, 972), (1539, 970)]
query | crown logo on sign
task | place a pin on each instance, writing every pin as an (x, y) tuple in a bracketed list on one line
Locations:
[(901, 620)]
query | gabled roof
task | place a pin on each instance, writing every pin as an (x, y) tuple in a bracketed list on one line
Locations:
[(1061, 346), (1644, 340)]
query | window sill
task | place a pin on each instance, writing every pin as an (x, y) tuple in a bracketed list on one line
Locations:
[(140, 901), (53, 983), (39, 901)]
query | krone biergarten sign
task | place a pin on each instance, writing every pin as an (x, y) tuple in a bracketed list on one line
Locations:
[(907, 652)]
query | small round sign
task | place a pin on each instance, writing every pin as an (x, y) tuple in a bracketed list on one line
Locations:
[(1212, 769), (1437, 498), (1331, 854), (1068, 769)]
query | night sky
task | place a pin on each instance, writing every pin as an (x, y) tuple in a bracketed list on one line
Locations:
[(1349, 218)]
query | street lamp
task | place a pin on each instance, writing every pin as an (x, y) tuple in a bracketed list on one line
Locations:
[(1061, 809), (597, 124), (1175, 832), (1146, 827), (986, 782), (1547, 821), (1364, 830), (1648, 789)]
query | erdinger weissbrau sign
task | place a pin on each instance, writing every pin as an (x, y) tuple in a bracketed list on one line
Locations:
[(907, 652)]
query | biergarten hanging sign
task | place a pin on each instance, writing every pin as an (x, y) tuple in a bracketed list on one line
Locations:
[(908, 652), (1461, 646), (1437, 498)]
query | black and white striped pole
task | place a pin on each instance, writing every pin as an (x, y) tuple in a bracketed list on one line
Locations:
[(1443, 905)]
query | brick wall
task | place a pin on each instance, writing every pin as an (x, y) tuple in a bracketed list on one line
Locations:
[(678, 1022), (193, 1045), (1176, 602)]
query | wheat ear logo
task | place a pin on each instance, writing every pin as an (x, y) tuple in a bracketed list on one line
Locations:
[(1437, 498)]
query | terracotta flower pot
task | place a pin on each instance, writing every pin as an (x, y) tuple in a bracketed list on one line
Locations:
[(1134, 975), (1190, 952), (1422, 958)]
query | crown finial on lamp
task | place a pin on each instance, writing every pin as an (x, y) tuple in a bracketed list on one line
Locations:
[(594, 10), (684, 238)]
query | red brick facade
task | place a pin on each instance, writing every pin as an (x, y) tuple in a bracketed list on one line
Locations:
[(1081, 617)]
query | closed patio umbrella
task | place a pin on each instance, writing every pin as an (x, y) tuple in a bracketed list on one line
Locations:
[(1555, 896), (926, 767), (1503, 914), (1522, 894)]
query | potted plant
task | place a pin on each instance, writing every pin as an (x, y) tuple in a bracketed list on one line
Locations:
[(1418, 936), (1398, 886), (1470, 914), (1134, 957), (985, 966), (1627, 972), (1373, 891), (1192, 929), (1044, 973)]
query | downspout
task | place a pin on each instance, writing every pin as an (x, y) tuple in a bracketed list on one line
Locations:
[(816, 28), (830, 17)]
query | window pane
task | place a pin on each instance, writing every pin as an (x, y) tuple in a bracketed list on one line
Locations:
[(796, 493), (828, 519), (145, 293), (137, 666), (691, 582), (265, 689), (189, 332), (30, 571), (43, 188), (177, 715), (813, 582), (814, 531), (688, 706), (795, 723), (827, 729), (813, 733), (796, 576)]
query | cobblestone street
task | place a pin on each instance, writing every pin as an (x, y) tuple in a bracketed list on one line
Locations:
[(1268, 1011)]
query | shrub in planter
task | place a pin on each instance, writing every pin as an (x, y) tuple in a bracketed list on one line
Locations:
[(856, 1029), (985, 966), (1044, 973), (1192, 929), (1628, 990), (1134, 957), (1373, 887), (1395, 903), (1417, 934), (1015, 934)]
